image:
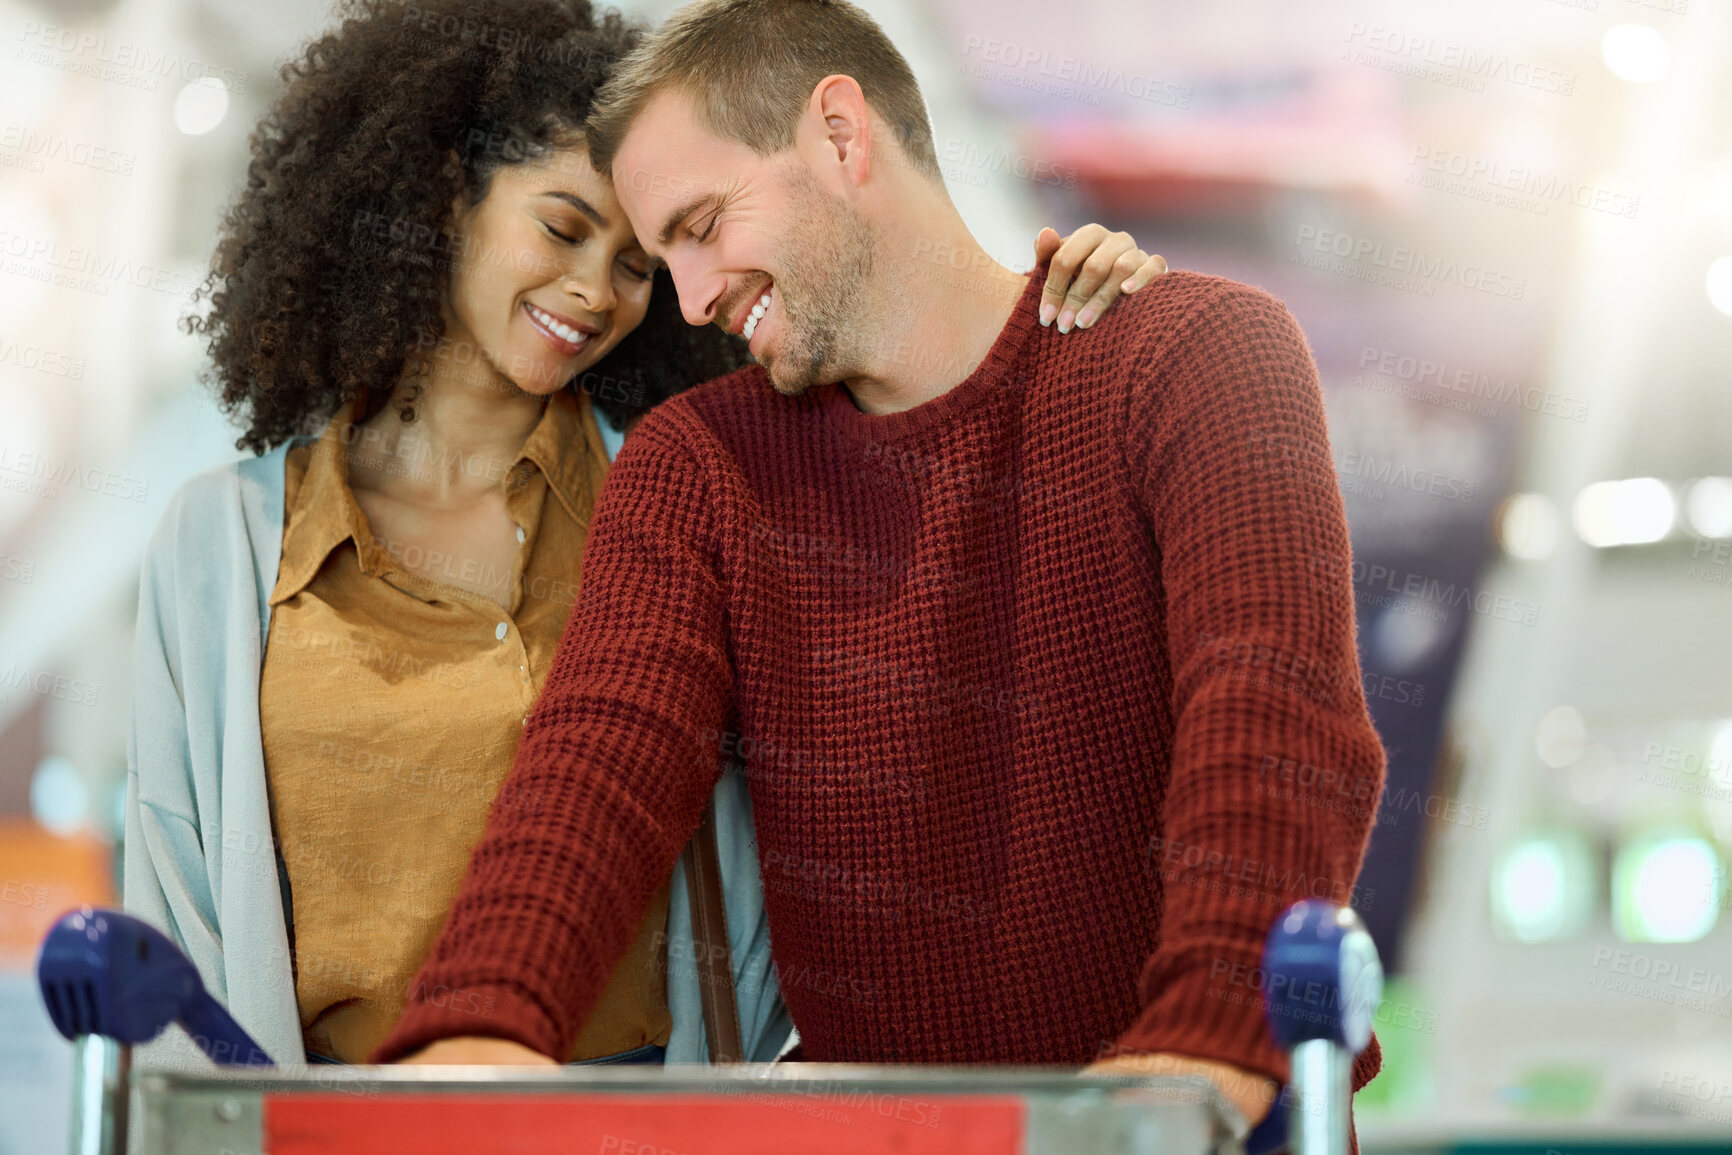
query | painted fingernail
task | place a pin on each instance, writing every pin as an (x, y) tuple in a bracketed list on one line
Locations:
[(1064, 321), (1085, 318), (1047, 312)]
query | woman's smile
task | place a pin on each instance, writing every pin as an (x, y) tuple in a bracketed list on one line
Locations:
[(565, 334)]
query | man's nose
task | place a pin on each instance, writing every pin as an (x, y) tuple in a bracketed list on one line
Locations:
[(700, 290)]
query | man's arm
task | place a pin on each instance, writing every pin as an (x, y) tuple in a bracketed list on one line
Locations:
[(1276, 768), (612, 774)]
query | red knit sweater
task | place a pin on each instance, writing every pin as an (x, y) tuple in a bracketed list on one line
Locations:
[(1045, 690)]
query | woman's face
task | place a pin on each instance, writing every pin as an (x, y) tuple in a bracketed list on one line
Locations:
[(546, 273)]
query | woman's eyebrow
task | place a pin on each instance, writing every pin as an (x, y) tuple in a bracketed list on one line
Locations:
[(580, 205)]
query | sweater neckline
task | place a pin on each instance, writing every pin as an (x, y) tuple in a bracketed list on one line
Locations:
[(992, 373)]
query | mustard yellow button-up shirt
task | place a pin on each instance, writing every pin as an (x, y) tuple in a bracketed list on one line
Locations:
[(392, 705)]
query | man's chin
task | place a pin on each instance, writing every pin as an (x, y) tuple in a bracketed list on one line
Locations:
[(788, 384), (791, 389)]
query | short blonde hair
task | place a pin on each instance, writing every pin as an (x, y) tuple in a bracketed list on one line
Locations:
[(751, 66)]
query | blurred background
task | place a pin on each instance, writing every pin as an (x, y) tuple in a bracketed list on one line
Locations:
[(1506, 228)]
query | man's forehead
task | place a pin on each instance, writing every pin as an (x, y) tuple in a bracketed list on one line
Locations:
[(669, 125), (669, 164), (656, 157)]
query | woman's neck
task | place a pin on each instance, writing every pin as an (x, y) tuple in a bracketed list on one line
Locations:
[(468, 430)]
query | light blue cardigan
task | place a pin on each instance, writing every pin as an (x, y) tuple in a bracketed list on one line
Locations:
[(199, 860)]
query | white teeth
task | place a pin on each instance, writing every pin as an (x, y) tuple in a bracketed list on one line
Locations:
[(756, 315), (558, 328)]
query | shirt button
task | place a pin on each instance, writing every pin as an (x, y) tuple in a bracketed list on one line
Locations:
[(521, 535), (500, 632)]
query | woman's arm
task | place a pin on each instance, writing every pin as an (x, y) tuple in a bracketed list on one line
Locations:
[(165, 875), (200, 863)]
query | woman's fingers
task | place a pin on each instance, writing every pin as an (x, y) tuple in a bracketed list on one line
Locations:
[(1094, 277), (1067, 260), (1151, 268), (1046, 243), (1141, 268), (1087, 271)]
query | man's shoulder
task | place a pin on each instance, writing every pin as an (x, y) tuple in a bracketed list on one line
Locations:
[(746, 389), (726, 414), (1180, 303), (1187, 337)]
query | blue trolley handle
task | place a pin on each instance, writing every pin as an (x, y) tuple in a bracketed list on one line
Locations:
[(1322, 985), (110, 981)]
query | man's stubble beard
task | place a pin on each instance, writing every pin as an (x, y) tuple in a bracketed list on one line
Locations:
[(824, 305)]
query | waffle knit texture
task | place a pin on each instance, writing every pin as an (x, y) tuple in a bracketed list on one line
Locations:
[(1046, 691)]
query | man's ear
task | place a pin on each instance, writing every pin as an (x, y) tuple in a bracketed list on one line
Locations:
[(838, 130)]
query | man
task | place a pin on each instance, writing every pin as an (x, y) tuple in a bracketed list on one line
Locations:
[(1018, 642)]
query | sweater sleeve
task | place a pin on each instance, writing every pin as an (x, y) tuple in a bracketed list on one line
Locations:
[(1276, 768), (610, 779)]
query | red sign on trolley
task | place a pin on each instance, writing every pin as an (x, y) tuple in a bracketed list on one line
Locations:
[(842, 1122)]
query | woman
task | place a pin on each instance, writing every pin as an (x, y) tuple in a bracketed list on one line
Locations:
[(433, 322)]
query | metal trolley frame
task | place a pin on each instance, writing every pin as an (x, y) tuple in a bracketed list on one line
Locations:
[(759, 1109), (110, 980)]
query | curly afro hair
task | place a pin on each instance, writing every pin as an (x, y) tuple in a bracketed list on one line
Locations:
[(388, 118)]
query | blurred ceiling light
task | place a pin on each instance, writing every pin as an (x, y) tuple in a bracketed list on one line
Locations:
[(201, 105), (1529, 527), (1708, 506), (1560, 736), (59, 800), (1635, 52), (1666, 888), (1635, 511), (1542, 887), (1719, 284)]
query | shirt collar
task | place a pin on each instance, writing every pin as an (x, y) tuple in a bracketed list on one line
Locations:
[(559, 445), (325, 513)]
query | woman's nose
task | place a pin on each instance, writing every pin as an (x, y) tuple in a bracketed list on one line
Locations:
[(592, 286)]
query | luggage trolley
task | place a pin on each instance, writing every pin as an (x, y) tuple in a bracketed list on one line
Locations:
[(111, 981)]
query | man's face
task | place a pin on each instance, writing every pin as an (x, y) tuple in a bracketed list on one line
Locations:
[(757, 245)]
